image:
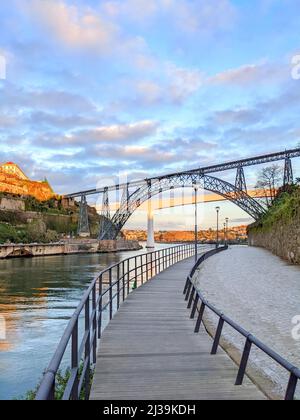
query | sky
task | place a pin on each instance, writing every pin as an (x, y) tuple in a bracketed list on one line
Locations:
[(91, 90)]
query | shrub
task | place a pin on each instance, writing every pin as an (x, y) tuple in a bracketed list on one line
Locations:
[(284, 209)]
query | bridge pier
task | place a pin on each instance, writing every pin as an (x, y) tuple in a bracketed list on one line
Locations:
[(83, 221), (150, 227)]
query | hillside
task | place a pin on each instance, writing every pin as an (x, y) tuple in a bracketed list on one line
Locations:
[(279, 229), (26, 219), (12, 184)]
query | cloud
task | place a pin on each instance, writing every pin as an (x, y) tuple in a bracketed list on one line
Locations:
[(115, 133), (189, 16), (207, 17), (134, 10), (249, 74), (108, 137), (73, 27), (183, 81), (237, 117), (15, 97), (60, 121), (82, 28), (170, 85)]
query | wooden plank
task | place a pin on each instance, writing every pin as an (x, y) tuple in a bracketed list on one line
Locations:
[(149, 350)]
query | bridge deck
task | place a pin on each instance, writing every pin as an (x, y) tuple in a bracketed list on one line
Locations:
[(149, 350)]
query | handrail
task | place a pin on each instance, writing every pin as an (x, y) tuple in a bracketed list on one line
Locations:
[(121, 278), (198, 303)]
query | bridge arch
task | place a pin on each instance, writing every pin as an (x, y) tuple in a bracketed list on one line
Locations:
[(187, 180)]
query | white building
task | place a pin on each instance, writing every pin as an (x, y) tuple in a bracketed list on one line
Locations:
[(13, 169)]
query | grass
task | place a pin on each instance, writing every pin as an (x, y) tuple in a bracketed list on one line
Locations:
[(283, 211), (62, 379)]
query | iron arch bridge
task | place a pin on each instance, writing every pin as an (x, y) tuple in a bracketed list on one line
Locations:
[(137, 192)]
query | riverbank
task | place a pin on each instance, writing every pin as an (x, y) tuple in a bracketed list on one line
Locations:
[(68, 247)]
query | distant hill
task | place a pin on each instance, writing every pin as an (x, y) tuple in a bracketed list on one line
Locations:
[(234, 234)]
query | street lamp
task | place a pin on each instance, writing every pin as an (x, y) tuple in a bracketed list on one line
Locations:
[(224, 233), (217, 210), (226, 220), (196, 221)]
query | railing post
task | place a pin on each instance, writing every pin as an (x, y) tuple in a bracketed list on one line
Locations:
[(291, 388), (87, 348), (244, 362), (123, 279), (217, 336), (118, 286), (194, 306), (100, 307), (200, 317), (136, 270), (151, 262), (74, 360), (188, 291), (191, 297), (128, 277), (186, 285), (94, 321), (142, 269), (110, 295), (147, 268)]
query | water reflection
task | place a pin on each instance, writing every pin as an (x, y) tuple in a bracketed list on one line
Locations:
[(37, 297)]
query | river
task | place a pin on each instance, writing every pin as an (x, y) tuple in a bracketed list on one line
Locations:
[(37, 297)]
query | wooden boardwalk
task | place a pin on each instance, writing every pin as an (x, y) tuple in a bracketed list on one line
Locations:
[(149, 350)]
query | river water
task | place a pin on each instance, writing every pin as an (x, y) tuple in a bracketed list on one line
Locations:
[(37, 297)]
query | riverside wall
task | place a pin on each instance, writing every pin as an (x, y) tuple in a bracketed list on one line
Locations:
[(66, 248)]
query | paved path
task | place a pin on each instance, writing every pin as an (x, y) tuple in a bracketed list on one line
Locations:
[(263, 297), (149, 350)]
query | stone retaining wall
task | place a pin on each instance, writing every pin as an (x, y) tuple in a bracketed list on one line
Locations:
[(282, 240), (66, 247)]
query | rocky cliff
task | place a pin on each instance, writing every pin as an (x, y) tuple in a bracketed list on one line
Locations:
[(279, 230)]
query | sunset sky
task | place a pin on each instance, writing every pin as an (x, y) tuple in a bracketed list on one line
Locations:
[(95, 89)]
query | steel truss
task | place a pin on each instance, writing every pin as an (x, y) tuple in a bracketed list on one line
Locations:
[(169, 183)]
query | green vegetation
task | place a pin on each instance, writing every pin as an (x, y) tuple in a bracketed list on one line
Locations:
[(53, 206), (49, 222), (9, 233), (35, 231), (60, 385), (285, 208)]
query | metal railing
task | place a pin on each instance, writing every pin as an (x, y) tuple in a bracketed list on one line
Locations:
[(198, 303), (103, 297)]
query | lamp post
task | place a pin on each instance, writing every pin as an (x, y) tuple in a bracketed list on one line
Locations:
[(196, 222), (226, 221), (224, 233), (217, 210)]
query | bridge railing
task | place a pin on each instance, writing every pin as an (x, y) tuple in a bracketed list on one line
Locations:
[(100, 302), (198, 304)]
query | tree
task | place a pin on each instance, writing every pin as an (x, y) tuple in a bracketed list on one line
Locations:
[(269, 180)]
